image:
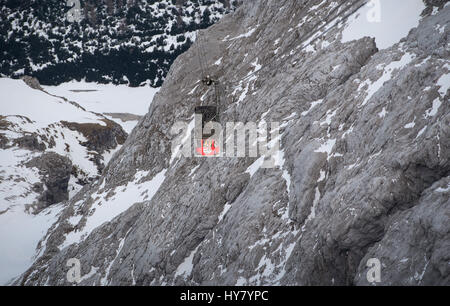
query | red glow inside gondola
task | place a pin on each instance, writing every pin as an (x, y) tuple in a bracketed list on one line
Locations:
[(208, 148)]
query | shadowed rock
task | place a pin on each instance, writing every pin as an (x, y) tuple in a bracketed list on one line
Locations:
[(56, 170)]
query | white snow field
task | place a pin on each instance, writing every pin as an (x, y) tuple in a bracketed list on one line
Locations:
[(386, 20), (20, 232), (108, 98)]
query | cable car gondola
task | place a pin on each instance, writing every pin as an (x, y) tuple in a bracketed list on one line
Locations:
[(205, 140)]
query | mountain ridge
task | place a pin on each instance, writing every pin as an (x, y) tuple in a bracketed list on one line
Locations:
[(363, 171)]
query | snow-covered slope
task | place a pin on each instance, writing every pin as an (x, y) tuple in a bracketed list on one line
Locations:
[(45, 119), (20, 99), (32, 125)]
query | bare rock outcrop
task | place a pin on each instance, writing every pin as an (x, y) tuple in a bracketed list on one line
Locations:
[(56, 170)]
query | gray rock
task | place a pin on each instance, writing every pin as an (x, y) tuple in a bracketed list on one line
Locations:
[(416, 239), (30, 142), (32, 82), (3, 141), (56, 170)]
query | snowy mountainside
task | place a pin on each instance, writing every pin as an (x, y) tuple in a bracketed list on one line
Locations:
[(115, 41), (363, 169), (35, 121), (50, 148)]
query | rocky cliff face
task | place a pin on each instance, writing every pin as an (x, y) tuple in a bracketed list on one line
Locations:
[(362, 172)]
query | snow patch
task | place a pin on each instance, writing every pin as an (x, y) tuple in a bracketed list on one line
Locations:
[(444, 84), (253, 168), (245, 35), (387, 75), (327, 147), (389, 30), (434, 109), (103, 210), (313, 104), (226, 208), (185, 268)]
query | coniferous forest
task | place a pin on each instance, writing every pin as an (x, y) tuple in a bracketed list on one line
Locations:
[(115, 41)]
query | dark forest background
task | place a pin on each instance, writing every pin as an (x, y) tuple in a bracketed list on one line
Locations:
[(116, 41)]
